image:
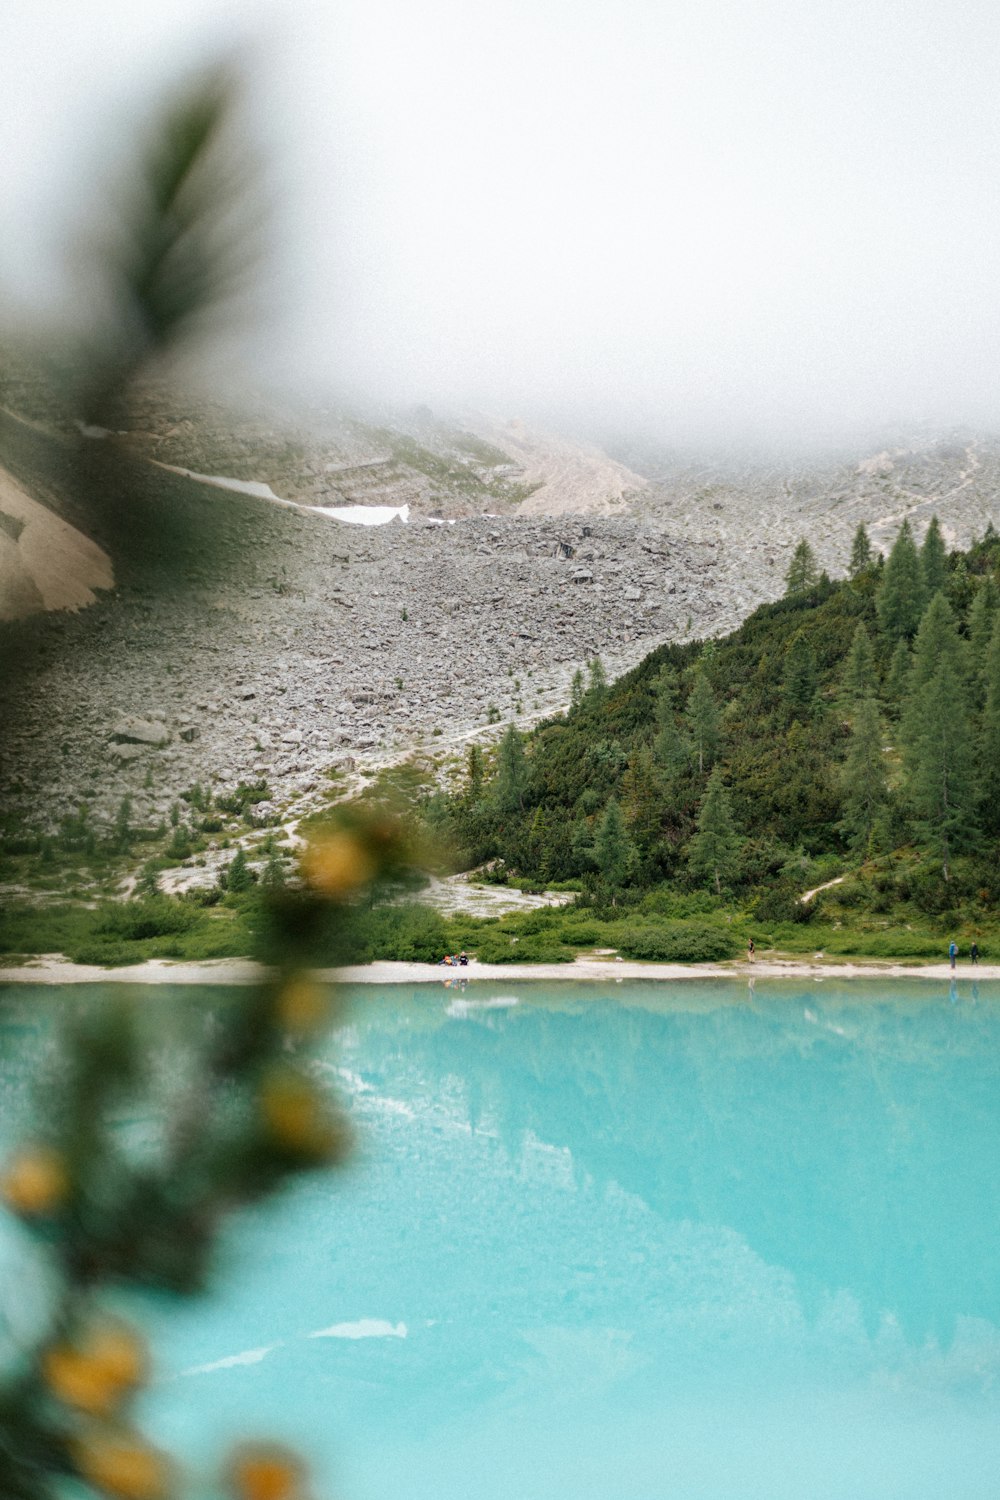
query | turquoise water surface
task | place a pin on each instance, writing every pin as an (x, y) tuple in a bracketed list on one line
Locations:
[(642, 1241)]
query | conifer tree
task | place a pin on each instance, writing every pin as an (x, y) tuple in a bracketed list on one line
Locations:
[(941, 780), (982, 616), (613, 850), (800, 675), (640, 798), (863, 780), (933, 559), (714, 850), (988, 758), (670, 747), (803, 572), (512, 772), (576, 690), (861, 552), (597, 683), (897, 677), (582, 846), (983, 613), (858, 677), (239, 876), (474, 775), (538, 842), (901, 594), (702, 721), (936, 647)]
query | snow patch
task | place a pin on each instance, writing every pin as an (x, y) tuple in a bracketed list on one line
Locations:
[(364, 515)]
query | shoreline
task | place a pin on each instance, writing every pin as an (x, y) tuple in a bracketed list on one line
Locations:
[(228, 971)]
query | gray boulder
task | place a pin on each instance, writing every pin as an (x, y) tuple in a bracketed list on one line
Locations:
[(134, 731)]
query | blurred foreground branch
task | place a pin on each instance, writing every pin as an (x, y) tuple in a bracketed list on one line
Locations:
[(244, 1115)]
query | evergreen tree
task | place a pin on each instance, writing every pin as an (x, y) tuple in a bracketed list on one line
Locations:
[(576, 691), (861, 552), (859, 677), (897, 677), (641, 799), (273, 874), (863, 779), (982, 616), (511, 782), (960, 586), (800, 675), (474, 775), (597, 683), (239, 877), (148, 883), (988, 758), (933, 559), (702, 721), (613, 851), (670, 747), (803, 572), (936, 647), (582, 846), (123, 830), (714, 850), (941, 781), (538, 843), (901, 594)]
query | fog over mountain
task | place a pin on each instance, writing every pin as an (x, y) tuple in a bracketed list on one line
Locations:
[(709, 223)]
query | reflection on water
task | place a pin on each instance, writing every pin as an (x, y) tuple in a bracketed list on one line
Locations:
[(645, 1242)]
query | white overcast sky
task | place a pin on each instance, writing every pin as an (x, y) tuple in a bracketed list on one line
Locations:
[(711, 217)]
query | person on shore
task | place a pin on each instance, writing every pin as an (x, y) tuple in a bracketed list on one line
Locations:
[(463, 958), (751, 950), (952, 953), (974, 953)]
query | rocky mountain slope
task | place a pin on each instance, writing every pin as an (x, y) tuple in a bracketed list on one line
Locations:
[(288, 642)]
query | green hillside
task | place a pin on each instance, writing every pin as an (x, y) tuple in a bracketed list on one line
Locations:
[(851, 729)]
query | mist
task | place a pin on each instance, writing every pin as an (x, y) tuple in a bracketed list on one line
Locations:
[(715, 223)]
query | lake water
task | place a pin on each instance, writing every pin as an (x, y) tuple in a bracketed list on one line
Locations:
[(630, 1242)]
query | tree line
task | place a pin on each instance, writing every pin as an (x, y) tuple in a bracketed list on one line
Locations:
[(854, 718)]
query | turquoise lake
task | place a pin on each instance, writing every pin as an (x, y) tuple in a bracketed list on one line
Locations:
[(633, 1241)]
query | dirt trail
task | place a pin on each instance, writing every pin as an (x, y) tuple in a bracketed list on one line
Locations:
[(807, 896), (922, 502)]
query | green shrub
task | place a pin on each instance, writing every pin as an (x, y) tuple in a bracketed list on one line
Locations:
[(781, 902), (409, 933), (245, 795), (679, 904), (585, 933), (112, 955), (151, 916), (501, 948), (676, 942)]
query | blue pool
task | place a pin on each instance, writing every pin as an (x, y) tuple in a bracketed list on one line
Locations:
[(639, 1241)]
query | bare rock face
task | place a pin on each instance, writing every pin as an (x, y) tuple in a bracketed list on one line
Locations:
[(268, 675)]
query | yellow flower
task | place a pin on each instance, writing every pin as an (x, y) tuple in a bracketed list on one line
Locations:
[(259, 1471), (122, 1464), (294, 1114), (302, 1004), (97, 1370), (335, 864), (35, 1182)]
